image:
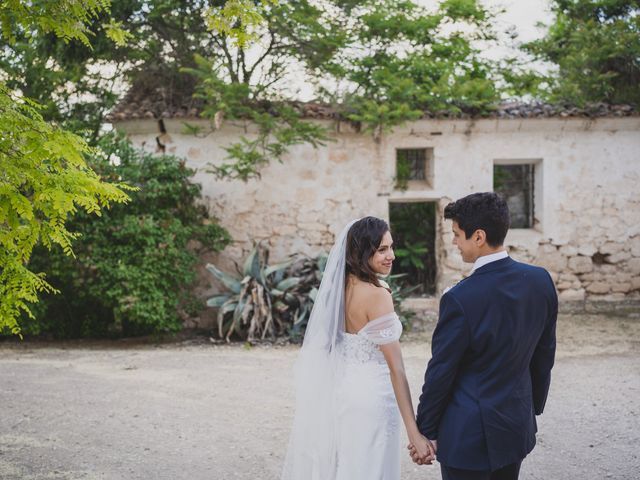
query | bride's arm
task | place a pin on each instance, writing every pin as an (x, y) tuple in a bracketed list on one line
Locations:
[(393, 356), (380, 304)]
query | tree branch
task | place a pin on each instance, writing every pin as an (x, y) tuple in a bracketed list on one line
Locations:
[(223, 45), (267, 52), (242, 65)]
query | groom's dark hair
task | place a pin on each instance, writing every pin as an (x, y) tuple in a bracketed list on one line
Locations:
[(481, 211), (363, 240)]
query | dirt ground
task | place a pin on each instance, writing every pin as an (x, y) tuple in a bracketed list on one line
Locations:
[(196, 411)]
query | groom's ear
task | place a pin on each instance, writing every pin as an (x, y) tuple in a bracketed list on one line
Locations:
[(479, 237)]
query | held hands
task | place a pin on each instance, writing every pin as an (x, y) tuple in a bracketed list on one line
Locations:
[(422, 450)]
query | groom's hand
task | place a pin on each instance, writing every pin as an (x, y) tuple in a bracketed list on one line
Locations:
[(427, 454), (420, 460)]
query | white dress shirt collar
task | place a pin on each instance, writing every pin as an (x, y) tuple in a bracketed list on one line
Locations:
[(486, 259)]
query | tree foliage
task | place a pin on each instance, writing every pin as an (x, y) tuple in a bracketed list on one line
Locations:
[(54, 75), (68, 20), (379, 62), (134, 267), (595, 45), (44, 178), (237, 19)]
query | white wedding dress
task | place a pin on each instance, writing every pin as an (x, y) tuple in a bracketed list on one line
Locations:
[(346, 424), (367, 416)]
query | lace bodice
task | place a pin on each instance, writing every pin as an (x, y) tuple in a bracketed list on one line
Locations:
[(364, 346), (357, 349)]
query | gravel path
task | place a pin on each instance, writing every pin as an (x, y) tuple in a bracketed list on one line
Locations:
[(194, 411)]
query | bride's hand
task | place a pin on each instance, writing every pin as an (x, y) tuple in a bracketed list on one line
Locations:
[(421, 450)]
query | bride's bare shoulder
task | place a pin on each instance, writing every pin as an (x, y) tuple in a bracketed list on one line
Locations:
[(377, 301)]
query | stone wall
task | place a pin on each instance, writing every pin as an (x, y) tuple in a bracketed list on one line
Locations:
[(587, 229), (587, 206)]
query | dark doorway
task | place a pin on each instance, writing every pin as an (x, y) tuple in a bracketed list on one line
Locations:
[(413, 226)]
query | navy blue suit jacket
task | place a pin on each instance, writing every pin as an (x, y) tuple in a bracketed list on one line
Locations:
[(490, 368)]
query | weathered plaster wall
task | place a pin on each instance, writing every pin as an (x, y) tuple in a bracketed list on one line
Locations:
[(587, 194), (587, 204)]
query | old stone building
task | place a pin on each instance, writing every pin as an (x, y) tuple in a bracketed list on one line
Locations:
[(571, 178)]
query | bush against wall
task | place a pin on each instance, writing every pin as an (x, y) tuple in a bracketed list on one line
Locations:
[(134, 265)]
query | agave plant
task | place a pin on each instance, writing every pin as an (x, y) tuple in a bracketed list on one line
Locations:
[(275, 300), (250, 308), (298, 304)]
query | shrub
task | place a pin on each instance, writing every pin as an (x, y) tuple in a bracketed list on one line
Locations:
[(134, 265)]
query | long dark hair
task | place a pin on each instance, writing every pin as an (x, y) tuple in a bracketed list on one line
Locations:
[(363, 240)]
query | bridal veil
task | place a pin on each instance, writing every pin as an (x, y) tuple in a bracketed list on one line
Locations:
[(311, 454)]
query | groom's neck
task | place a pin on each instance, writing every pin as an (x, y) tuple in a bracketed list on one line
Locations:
[(487, 250)]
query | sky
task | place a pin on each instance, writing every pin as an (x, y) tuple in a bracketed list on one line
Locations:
[(524, 14), (521, 15)]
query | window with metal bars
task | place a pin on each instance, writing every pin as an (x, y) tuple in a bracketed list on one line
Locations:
[(516, 185), (413, 164)]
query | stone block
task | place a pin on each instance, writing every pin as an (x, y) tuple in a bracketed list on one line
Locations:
[(634, 244), (599, 288), (568, 250), (621, 287), (308, 175), (580, 264), (567, 277), (564, 285), (313, 226), (307, 216), (572, 295), (454, 261), (234, 251), (622, 277), (633, 266), (338, 156), (312, 237), (611, 297), (618, 257), (587, 250), (611, 248), (553, 260), (547, 248), (285, 230), (635, 283), (608, 269), (305, 196), (608, 222), (591, 277)]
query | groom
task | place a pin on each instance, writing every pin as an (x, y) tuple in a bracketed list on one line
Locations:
[(492, 352)]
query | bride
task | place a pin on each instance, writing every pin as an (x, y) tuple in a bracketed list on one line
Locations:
[(351, 388)]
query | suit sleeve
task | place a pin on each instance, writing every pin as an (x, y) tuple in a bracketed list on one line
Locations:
[(543, 357), (450, 341)]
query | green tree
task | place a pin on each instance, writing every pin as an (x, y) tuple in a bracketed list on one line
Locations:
[(595, 45), (44, 178), (78, 82), (379, 62)]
